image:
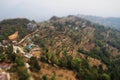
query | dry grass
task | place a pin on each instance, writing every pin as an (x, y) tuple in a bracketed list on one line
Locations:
[(60, 73)]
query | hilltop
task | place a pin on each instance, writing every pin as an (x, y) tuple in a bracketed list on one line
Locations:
[(62, 48)]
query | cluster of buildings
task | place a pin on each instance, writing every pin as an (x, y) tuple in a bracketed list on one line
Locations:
[(31, 26), (4, 75), (34, 50)]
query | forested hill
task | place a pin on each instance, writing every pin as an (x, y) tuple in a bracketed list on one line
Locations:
[(9, 26), (70, 48), (81, 28), (74, 36)]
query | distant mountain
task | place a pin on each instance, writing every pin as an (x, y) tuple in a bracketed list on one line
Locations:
[(113, 22)]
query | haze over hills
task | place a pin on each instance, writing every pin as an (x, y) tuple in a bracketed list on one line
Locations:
[(113, 22)]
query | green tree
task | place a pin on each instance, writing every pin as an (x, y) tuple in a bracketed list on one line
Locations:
[(48, 56), (54, 59), (9, 50), (22, 73), (1, 50), (104, 76), (34, 65), (53, 77), (45, 77), (76, 64), (19, 61)]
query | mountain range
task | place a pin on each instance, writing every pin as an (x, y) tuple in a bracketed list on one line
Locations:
[(113, 22)]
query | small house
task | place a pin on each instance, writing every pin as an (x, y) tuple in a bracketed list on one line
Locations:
[(27, 55), (76, 28), (29, 47), (13, 36), (4, 42), (4, 66), (83, 25), (4, 75), (1, 44), (28, 39), (31, 26)]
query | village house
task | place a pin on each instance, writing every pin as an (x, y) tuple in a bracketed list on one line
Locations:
[(13, 37), (4, 66), (83, 25), (4, 42), (28, 39), (4, 75), (28, 55), (31, 26), (76, 28), (1, 44)]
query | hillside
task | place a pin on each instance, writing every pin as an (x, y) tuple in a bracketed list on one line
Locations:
[(9, 26), (64, 48), (112, 22)]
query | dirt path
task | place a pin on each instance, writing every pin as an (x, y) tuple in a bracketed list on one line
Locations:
[(26, 37)]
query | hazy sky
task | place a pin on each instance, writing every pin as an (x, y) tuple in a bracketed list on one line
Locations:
[(44, 9)]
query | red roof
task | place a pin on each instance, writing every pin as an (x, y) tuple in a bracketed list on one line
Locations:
[(4, 65)]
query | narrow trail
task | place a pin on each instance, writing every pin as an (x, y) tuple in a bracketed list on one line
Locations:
[(26, 37)]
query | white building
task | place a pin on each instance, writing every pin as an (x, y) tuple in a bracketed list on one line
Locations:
[(31, 26)]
